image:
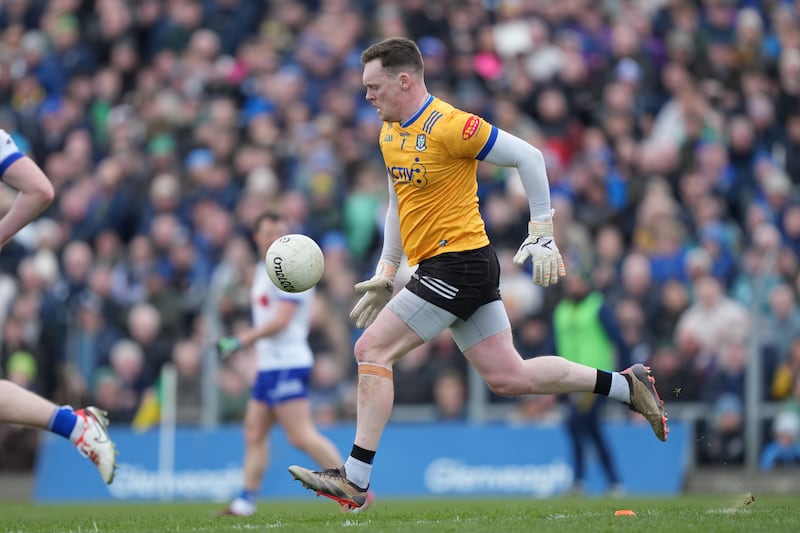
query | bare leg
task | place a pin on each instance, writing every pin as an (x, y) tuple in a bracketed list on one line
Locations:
[(386, 341), (86, 429), (375, 402), (23, 407), (295, 418), (508, 374), (383, 343), (257, 423)]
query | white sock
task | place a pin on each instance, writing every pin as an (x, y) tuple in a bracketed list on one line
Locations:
[(357, 472), (243, 507), (620, 390), (77, 431)]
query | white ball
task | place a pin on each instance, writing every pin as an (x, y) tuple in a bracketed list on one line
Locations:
[(294, 262)]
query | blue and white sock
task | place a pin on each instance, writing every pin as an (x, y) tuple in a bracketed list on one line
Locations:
[(66, 423)]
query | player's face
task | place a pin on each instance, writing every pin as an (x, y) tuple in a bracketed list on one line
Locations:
[(383, 91), (267, 232)]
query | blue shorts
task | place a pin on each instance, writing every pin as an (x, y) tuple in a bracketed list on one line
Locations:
[(275, 386)]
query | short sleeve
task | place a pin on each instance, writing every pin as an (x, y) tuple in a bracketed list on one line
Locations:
[(9, 151), (466, 134)]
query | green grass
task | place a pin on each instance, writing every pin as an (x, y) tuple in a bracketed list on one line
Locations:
[(583, 515)]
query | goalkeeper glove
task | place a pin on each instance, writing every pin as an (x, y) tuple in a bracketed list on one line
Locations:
[(540, 246), (226, 346), (377, 291)]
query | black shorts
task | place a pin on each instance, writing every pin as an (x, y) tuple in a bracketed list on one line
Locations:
[(459, 282)]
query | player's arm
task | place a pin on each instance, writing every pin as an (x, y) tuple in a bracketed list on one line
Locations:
[(392, 251), (379, 288), (286, 308), (35, 193), (511, 151)]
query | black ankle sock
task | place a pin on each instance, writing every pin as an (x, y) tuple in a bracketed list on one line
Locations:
[(365, 456), (603, 383)]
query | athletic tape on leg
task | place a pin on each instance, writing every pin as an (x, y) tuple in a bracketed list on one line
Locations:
[(374, 370)]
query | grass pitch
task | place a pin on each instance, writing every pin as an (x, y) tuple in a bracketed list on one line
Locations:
[(583, 515)]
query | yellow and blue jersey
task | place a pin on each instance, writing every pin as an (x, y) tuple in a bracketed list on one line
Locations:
[(432, 159)]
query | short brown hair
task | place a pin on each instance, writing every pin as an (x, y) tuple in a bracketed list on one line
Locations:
[(396, 54), (271, 215)]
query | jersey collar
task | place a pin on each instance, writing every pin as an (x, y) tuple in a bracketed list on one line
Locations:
[(416, 115)]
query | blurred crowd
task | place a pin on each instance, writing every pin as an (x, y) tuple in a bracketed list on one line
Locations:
[(670, 128)]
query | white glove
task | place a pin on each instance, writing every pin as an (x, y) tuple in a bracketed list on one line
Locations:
[(377, 291), (541, 247)]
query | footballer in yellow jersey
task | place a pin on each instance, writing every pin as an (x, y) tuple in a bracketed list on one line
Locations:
[(431, 159), (431, 151)]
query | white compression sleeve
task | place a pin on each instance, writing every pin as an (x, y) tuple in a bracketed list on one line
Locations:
[(392, 251), (511, 151)]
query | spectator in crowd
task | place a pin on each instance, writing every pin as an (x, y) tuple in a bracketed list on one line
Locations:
[(723, 391), (782, 323), (109, 393), (609, 254), (186, 270), (330, 334), (101, 283), (414, 381), (89, 347), (450, 396), (536, 409), (186, 390), (678, 382), (535, 335), (522, 297), (187, 358), (129, 272), (660, 235), (19, 442), (722, 432), (787, 374), (127, 362), (14, 342), (587, 332), (144, 329), (728, 373), (757, 267), (636, 284), (60, 302), (713, 315), (634, 331), (361, 213), (784, 449), (327, 389), (719, 244)]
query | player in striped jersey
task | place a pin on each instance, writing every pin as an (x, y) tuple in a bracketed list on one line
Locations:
[(85, 428), (431, 151), (279, 334)]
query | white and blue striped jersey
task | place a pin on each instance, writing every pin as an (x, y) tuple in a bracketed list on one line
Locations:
[(9, 152), (289, 347)]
